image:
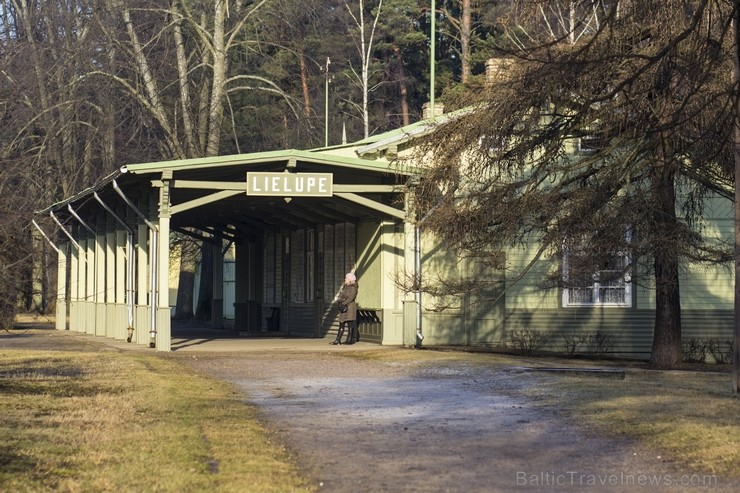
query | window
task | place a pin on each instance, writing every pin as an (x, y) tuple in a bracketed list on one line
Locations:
[(590, 143), (609, 285)]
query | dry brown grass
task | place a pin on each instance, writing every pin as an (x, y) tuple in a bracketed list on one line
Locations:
[(76, 421), (690, 416)]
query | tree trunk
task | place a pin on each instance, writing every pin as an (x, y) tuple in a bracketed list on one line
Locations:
[(184, 85), (736, 136), (304, 85), (218, 86), (154, 102), (366, 50), (666, 350), (465, 32), (402, 86)]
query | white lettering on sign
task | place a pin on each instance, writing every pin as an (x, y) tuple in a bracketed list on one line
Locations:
[(289, 184)]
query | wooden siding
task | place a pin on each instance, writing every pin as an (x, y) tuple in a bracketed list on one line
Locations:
[(707, 287), (631, 330), (437, 260), (443, 328), (527, 292), (369, 265)]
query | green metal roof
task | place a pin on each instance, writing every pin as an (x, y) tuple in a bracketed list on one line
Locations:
[(268, 156), (288, 155)]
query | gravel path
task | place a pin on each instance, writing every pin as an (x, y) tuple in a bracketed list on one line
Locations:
[(363, 426)]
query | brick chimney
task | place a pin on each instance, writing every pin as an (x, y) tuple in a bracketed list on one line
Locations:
[(496, 68), (426, 113)]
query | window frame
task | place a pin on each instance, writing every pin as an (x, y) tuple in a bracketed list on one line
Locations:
[(596, 286), (589, 144)]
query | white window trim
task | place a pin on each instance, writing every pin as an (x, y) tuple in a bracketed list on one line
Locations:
[(627, 303), (583, 144)]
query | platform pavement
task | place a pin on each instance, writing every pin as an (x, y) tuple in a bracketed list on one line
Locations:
[(193, 337)]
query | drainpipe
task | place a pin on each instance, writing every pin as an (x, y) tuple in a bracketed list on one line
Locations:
[(152, 263), (417, 272), (417, 278), (129, 266)]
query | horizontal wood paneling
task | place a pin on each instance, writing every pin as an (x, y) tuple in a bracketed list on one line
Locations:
[(631, 330)]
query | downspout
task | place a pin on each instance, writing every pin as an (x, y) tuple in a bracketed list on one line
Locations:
[(417, 278), (152, 263), (417, 272), (129, 266)]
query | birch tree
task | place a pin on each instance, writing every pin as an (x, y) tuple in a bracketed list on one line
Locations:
[(190, 101), (364, 43), (187, 101)]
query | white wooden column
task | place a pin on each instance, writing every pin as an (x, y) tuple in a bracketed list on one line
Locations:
[(61, 311), (142, 320), (164, 333), (110, 277), (121, 260), (100, 268), (410, 303), (90, 284), (74, 282)]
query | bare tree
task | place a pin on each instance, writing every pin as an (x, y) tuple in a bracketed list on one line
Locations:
[(185, 102), (364, 45), (54, 127)]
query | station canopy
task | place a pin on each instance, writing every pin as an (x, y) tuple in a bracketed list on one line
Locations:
[(212, 194)]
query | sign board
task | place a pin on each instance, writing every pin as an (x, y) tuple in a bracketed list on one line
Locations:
[(289, 184)]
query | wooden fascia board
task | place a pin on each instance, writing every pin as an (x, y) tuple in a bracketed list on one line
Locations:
[(242, 186), (288, 157)]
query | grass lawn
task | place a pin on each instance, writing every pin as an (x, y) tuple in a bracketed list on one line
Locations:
[(107, 421), (689, 416)]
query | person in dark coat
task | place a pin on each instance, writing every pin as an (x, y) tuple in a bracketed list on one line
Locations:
[(347, 310)]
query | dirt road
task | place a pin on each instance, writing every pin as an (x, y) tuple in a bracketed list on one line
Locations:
[(364, 426)]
